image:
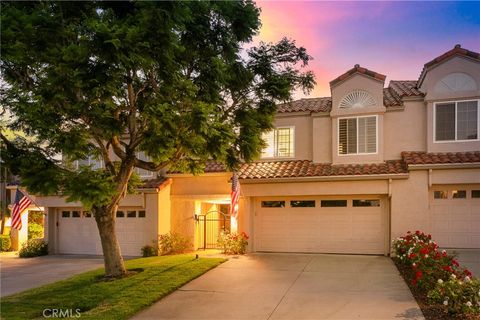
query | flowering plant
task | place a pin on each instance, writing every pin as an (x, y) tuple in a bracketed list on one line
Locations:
[(459, 295), (427, 263), (233, 243)]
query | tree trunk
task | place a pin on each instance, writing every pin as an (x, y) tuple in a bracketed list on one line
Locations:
[(105, 218)]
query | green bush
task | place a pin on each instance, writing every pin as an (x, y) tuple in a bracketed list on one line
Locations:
[(149, 251), (173, 242), (458, 295), (33, 248), (5, 242), (35, 231), (233, 243)]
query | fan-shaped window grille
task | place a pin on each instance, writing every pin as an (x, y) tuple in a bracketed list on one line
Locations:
[(358, 99)]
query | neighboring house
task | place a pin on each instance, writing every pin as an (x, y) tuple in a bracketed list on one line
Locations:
[(341, 174)]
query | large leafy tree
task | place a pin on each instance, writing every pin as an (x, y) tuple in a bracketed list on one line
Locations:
[(110, 79)]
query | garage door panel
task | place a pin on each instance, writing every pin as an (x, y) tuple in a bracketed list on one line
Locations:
[(455, 222), (80, 235), (320, 229)]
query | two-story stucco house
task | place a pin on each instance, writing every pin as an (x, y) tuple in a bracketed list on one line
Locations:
[(341, 174)]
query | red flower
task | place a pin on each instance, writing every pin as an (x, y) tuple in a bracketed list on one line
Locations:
[(412, 255), (418, 275), (467, 273), (424, 251), (244, 235), (455, 262)]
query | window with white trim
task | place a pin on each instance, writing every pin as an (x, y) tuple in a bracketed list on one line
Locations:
[(280, 143), (142, 172), (90, 161), (357, 135), (456, 121)]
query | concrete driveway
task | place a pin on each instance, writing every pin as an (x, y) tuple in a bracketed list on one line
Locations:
[(21, 274), (468, 258), (292, 286)]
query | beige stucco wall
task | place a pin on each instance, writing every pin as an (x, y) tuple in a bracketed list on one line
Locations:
[(303, 134), (405, 130), (455, 176), (207, 184), (315, 188), (130, 200), (409, 204), (322, 137), (164, 210)]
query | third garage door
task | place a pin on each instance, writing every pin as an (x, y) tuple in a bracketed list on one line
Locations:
[(354, 224)]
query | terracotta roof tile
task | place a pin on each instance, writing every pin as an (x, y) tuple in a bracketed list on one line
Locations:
[(456, 51), (312, 104), (360, 70), (213, 166), (157, 183), (405, 88), (415, 158), (306, 168)]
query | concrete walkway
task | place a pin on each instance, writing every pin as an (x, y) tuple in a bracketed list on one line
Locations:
[(22, 274), (292, 286)]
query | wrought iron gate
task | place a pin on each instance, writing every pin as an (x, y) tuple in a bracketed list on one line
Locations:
[(209, 227)]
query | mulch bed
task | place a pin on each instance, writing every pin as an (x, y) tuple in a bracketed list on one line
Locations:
[(430, 311)]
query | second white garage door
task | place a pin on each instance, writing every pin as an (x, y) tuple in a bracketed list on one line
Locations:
[(455, 216), (78, 232), (355, 224)]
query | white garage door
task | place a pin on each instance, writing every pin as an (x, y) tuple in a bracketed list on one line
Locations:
[(321, 224), (455, 216), (78, 232)]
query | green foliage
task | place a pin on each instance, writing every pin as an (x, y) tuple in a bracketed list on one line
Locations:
[(5, 242), (115, 300), (33, 248), (233, 243), (168, 78), (149, 251), (35, 230), (460, 296), (173, 243)]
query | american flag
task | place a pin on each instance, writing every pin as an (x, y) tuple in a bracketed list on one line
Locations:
[(234, 195), (21, 203)]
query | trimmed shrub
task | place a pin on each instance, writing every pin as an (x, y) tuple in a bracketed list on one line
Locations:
[(149, 251), (233, 243), (33, 248), (5, 242), (35, 231), (172, 243)]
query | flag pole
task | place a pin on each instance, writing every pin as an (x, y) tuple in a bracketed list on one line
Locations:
[(29, 197)]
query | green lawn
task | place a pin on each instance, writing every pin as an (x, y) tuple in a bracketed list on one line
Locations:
[(118, 299)]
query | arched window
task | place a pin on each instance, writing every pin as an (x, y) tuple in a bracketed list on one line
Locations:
[(457, 81), (358, 99)]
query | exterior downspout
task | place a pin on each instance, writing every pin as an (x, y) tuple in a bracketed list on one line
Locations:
[(389, 216)]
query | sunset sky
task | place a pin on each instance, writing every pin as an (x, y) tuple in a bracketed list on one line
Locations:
[(392, 38)]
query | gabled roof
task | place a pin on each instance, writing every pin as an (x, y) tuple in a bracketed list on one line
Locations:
[(306, 168), (418, 158), (360, 70), (312, 105), (392, 97), (456, 51)]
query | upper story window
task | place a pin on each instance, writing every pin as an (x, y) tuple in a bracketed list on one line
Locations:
[(91, 161), (357, 135), (142, 172), (280, 143), (358, 99), (456, 121)]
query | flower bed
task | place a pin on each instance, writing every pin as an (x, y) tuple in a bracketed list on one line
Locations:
[(443, 289)]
